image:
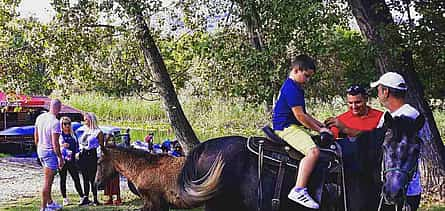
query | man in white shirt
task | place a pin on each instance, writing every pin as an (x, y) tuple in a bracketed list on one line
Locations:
[(46, 138), (391, 91)]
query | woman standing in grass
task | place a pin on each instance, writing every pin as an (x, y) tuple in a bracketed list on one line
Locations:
[(70, 147), (89, 144)]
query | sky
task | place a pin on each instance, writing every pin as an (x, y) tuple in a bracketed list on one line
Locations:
[(40, 9)]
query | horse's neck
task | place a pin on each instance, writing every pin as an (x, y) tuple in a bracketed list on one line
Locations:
[(125, 163), (370, 153)]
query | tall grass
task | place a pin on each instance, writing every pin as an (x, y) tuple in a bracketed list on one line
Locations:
[(118, 109)]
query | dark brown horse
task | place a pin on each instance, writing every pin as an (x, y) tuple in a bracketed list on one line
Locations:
[(155, 176), (395, 147)]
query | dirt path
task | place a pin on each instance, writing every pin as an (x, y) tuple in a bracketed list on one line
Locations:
[(22, 178)]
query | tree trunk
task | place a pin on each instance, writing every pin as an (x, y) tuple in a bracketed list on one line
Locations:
[(251, 18), (155, 63), (376, 23)]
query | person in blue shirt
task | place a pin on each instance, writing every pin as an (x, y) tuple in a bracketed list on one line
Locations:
[(291, 121), (70, 147)]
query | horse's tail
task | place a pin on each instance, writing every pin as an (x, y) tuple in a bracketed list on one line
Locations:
[(195, 190)]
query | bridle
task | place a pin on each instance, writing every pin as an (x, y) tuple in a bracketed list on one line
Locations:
[(409, 173)]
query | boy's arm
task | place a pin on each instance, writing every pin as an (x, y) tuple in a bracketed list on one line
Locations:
[(306, 119)]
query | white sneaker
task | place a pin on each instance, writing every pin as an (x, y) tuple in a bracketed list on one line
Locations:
[(66, 202), (46, 209), (54, 206), (302, 197)]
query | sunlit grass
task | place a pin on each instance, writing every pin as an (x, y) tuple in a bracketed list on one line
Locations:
[(130, 202), (3, 155)]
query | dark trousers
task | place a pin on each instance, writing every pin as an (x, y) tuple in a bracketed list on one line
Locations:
[(70, 166), (88, 167)]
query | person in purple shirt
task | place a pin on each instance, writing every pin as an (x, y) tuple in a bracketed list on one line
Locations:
[(89, 144), (291, 121), (70, 147)]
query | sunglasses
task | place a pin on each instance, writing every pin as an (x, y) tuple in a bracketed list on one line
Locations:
[(356, 89), (67, 123)]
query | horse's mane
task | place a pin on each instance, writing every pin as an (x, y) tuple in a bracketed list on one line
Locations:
[(404, 124), (135, 154)]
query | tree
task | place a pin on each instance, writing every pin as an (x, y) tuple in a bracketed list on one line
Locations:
[(184, 132), (376, 23), (22, 44), (91, 46)]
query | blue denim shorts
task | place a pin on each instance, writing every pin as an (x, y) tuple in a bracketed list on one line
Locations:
[(48, 159)]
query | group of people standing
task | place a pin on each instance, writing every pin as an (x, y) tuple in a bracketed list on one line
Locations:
[(59, 150)]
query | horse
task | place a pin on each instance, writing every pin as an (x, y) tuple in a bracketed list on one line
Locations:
[(222, 174), (387, 158), (154, 175)]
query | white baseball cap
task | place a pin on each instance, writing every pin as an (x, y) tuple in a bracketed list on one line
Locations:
[(391, 79)]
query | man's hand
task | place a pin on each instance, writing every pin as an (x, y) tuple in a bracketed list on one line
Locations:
[(65, 145), (61, 162), (335, 122)]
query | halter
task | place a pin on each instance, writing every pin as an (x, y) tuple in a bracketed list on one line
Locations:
[(408, 173)]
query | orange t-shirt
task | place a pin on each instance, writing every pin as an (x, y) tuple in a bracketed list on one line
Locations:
[(365, 123)]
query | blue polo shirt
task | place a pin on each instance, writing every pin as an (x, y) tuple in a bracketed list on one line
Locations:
[(291, 95)]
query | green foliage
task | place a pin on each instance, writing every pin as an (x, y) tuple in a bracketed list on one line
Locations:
[(91, 46), (427, 41), (22, 44), (286, 28)]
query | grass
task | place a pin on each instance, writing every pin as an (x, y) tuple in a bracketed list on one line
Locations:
[(3, 155), (130, 202)]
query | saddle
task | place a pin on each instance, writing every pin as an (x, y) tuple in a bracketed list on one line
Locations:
[(276, 152)]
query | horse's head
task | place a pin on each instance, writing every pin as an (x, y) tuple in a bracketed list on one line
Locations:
[(105, 168), (401, 149)]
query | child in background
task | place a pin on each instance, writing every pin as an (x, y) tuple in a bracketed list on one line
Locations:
[(112, 187)]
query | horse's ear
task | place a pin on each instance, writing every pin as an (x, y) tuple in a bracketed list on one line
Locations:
[(419, 122), (388, 120)]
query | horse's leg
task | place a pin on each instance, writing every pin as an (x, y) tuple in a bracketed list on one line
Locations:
[(164, 205), (151, 201)]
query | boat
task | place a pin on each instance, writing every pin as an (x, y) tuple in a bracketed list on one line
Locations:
[(18, 116)]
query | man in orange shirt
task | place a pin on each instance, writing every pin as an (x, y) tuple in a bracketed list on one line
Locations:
[(359, 117)]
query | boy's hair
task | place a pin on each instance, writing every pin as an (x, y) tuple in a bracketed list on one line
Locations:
[(303, 62)]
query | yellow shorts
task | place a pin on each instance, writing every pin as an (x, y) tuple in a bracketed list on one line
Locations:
[(297, 138)]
